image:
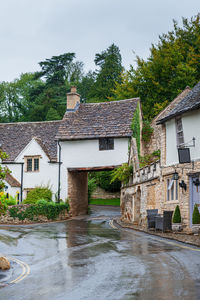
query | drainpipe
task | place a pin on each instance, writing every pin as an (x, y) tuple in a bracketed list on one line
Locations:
[(22, 173), (59, 164)]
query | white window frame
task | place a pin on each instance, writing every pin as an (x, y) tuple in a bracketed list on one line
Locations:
[(172, 190), (179, 131)]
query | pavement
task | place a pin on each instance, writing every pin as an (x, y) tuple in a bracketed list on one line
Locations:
[(92, 257)]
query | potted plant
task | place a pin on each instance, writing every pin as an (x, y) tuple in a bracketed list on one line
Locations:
[(195, 220), (176, 221)]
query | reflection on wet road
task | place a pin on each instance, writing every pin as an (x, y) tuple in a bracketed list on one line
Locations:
[(87, 259)]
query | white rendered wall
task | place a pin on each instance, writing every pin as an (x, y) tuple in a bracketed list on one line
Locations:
[(85, 154), (47, 175), (191, 128)]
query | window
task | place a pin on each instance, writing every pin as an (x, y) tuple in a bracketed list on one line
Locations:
[(106, 144), (32, 164), (172, 190), (179, 132)]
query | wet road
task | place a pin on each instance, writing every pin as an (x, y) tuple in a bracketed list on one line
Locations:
[(88, 259)]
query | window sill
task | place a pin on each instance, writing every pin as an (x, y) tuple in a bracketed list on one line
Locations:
[(172, 202)]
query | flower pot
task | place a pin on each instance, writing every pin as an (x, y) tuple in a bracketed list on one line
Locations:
[(195, 228), (177, 226)]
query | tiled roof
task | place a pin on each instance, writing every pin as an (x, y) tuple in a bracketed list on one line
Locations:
[(190, 102), (15, 136), (12, 181), (94, 120)]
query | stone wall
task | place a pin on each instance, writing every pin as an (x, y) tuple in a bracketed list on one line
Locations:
[(78, 192), (152, 182), (100, 193)]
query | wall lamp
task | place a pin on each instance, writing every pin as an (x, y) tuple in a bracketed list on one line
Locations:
[(175, 176), (183, 185)]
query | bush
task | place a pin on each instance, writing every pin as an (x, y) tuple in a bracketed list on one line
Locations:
[(42, 202), (91, 187), (177, 215), (122, 173), (196, 215), (3, 204), (50, 210), (11, 201), (38, 193)]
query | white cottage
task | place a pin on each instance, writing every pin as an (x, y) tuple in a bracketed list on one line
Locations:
[(90, 137)]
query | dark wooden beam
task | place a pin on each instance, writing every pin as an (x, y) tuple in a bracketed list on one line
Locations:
[(92, 169)]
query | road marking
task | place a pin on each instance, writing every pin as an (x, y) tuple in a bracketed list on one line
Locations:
[(25, 269), (168, 242)]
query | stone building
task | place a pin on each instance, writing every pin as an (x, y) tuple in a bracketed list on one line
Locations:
[(176, 127)]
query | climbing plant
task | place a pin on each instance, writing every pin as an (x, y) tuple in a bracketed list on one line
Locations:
[(135, 126), (147, 131), (122, 173)]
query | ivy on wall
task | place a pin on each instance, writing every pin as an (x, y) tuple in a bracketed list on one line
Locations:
[(135, 126), (147, 131)]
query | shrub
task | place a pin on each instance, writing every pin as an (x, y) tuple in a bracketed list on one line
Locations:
[(122, 173), (177, 215), (42, 202), (196, 215), (91, 187), (50, 210), (11, 201), (3, 205), (38, 193)]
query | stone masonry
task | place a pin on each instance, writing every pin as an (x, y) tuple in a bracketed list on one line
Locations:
[(78, 192)]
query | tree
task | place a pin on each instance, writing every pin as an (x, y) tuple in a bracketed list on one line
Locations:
[(52, 114), (172, 65), (110, 68)]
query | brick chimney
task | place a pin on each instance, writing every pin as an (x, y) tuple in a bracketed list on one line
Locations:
[(72, 98)]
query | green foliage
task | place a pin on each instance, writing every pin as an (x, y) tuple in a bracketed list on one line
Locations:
[(196, 215), (42, 202), (3, 204), (91, 187), (3, 170), (103, 180), (149, 158), (38, 193), (177, 215), (122, 173), (147, 131), (113, 202), (52, 114), (110, 69), (11, 201), (135, 126), (50, 210), (172, 65)]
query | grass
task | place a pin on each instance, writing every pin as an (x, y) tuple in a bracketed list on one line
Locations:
[(113, 202)]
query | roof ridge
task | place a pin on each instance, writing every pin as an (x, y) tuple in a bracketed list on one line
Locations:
[(31, 122), (115, 101)]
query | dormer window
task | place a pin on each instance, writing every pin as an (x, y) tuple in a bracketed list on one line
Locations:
[(106, 144), (32, 163), (179, 132)]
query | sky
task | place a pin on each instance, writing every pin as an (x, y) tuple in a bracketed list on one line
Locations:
[(33, 30)]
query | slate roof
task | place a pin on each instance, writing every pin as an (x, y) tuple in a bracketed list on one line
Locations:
[(95, 120), (15, 136), (190, 102), (12, 181)]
